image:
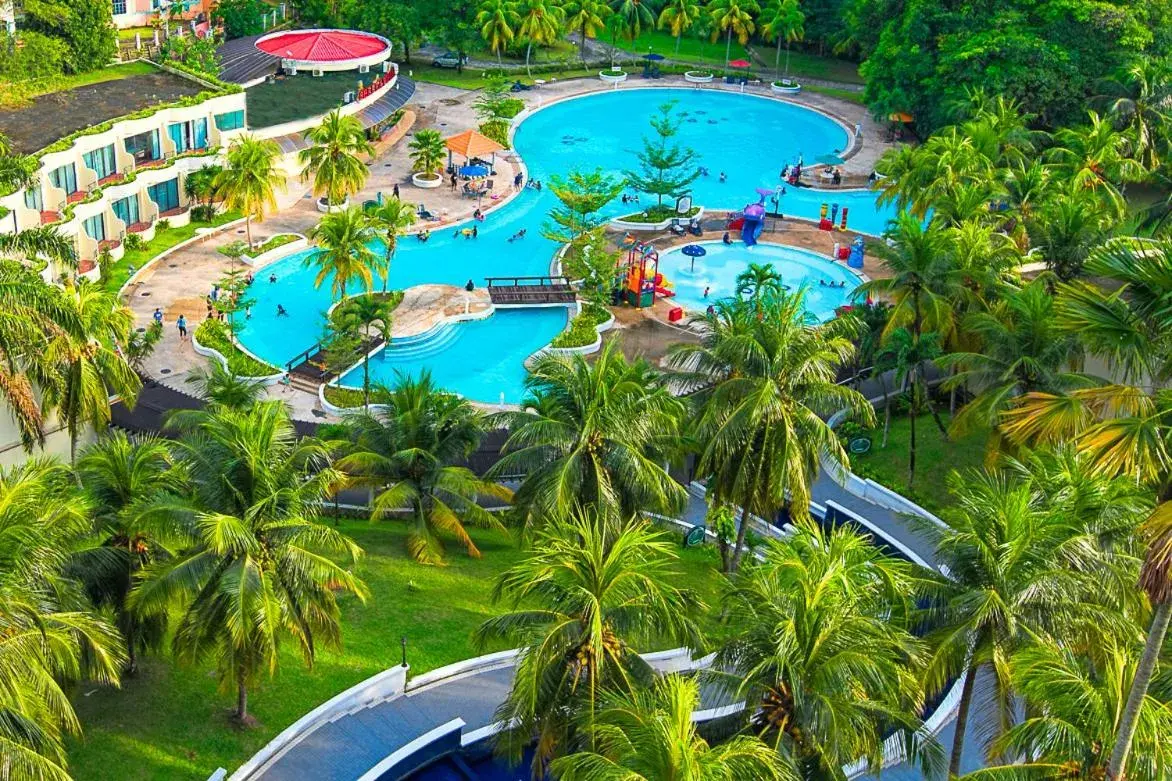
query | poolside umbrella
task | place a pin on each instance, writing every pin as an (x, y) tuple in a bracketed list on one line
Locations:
[(901, 116), (473, 170), (470, 144), (694, 251), (739, 64), (829, 160)]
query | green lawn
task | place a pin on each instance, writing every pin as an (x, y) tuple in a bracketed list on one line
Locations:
[(812, 65), (118, 272), (841, 94), (935, 458), (127, 33), (691, 49), (476, 78), (17, 94), (171, 723)]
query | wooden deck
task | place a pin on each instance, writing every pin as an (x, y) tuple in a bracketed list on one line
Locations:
[(312, 365), (530, 290)]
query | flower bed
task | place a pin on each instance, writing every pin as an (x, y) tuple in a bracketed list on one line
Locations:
[(213, 334), (280, 240)]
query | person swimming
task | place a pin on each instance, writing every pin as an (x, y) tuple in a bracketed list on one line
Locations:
[(281, 311), (707, 289), (272, 278), (723, 176)]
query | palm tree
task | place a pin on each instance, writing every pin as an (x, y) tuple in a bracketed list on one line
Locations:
[(1095, 159), (1068, 229), (761, 384), (200, 184), (733, 16), (249, 181), (588, 18), (410, 450), (364, 313), (592, 433), (40, 242), (589, 594), (332, 159), (16, 171), (905, 354), (391, 219), (253, 572), (648, 734), (633, 16), (91, 360), (496, 20), (822, 649), (50, 639), (427, 151), (757, 282), (541, 24), (121, 477), (783, 20), (219, 386), (345, 256), (678, 16), (1140, 99)]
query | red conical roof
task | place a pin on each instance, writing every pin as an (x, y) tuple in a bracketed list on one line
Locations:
[(322, 45)]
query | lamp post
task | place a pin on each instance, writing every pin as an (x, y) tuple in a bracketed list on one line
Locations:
[(403, 643)]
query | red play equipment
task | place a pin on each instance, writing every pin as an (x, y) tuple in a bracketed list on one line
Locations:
[(643, 279)]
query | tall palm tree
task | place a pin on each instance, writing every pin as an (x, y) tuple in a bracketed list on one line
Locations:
[(332, 161), (1140, 99), (410, 450), (678, 16), (761, 385), (122, 477), (345, 256), (91, 360), (250, 178), (757, 282), (648, 734), (589, 595), (587, 17), (823, 650), (904, 354), (253, 573), (1095, 158), (49, 639), (733, 17), (783, 20), (391, 219), (633, 16), (541, 24), (497, 20), (365, 313), (592, 433)]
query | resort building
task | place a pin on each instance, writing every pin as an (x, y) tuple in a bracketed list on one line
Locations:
[(138, 13)]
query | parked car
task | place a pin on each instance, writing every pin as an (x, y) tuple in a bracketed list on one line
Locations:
[(450, 60)]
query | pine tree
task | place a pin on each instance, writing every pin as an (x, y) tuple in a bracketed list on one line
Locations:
[(665, 167)]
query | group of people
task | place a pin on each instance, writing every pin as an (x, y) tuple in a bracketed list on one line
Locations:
[(518, 235), (630, 198), (824, 283)]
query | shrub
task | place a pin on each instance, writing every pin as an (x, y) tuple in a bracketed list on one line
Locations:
[(214, 334), (580, 333), (203, 213), (497, 130), (134, 241)]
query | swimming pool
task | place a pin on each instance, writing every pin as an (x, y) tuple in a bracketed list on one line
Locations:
[(748, 137), (717, 271)]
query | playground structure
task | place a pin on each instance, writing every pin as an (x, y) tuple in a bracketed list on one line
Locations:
[(826, 223), (642, 282)]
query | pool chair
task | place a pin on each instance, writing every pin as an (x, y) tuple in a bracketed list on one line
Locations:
[(424, 214), (519, 87), (676, 228)]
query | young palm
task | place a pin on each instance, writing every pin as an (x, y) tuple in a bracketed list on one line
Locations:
[(762, 385), (648, 735), (258, 569), (332, 159), (50, 640), (758, 282), (43, 242), (370, 315), (1140, 99), (249, 181), (784, 21), (497, 20), (345, 256), (427, 151), (218, 386), (733, 17), (589, 595), (410, 450), (1095, 159), (541, 24), (678, 16), (633, 16), (391, 219), (587, 17), (822, 650), (592, 433)]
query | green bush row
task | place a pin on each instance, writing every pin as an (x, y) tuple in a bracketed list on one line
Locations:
[(214, 334), (582, 330), (280, 240)]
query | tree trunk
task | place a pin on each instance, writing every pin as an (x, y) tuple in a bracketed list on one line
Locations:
[(886, 408), (911, 450), (728, 49), (739, 549), (678, 37), (1117, 769), (932, 407), (131, 653), (241, 698), (528, 51), (582, 43), (406, 51), (777, 59), (366, 372), (962, 721), (787, 59), (248, 229), (387, 270)]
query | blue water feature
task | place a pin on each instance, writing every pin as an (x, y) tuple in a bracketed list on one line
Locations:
[(748, 138)]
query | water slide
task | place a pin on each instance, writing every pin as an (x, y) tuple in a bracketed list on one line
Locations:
[(754, 224)]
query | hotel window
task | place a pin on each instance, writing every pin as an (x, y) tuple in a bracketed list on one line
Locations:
[(126, 209), (189, 135), (144, 146), (33, 199), (101, 161), (165, 195), (64, 177), (233, 120), (119, 7), (95, 228)]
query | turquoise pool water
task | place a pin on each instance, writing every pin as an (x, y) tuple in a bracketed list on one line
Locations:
[(747, 137), (717, 271)]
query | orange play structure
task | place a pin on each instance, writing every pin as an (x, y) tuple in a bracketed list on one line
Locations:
[(643, 280)]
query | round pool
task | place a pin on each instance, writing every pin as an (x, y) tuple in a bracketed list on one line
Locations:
[(828, 285)]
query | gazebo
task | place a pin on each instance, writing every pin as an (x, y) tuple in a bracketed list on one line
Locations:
[(470, 145)]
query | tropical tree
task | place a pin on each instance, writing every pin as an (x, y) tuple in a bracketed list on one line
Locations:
[(592, 434), (905, 355), (364, 313), (332, 161), (219, 386), (649, 734), (49, 639), (762, 384), (410, 449), (757, 282), (587, 17), (427, 151), (632, 17), (665, 167), (497, 20), (344, 256), (823, 650), (541, 24), (1068, 229), (591, 592), (1139, 99), (1095, 158), (200, 184), (678, 16), (391, 219), (249, 181), (733, 17), (783, 20), (581, 196), (258, 569), (16, 171), (40, 242)]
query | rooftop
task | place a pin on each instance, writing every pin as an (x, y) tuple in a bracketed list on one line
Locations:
[(47, 118), (297, 97)]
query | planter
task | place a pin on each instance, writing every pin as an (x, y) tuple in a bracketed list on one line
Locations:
[(626, 225), (786, 87), (325, 207), (427, 181), (615, 77), (698, 77), (265, 258)]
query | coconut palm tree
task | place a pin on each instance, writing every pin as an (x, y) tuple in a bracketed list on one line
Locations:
[(249, 181), (427, 151), (1095, 158), (648, 734), (121, 477), (90, 359), (391, 219), (589, 595), (332, 161), (344, 238), (497, 20), (587, 17), (1140, 99), (783, 20), (410, 449), (678, 16), (905, 354), (541, 24), (50, 640), (592, 433), (822, 649), (200, 184), (40, 242), (219, 386), (761, 384), (253, 573), (633, 16), (16, 171), (733, 17), (757, 282), (365, 313), (1068, 229)]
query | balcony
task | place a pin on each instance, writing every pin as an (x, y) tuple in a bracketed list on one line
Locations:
[(48, 217), (77, 196), (113, 178)]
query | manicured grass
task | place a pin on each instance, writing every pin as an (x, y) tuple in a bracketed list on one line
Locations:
[(214, 334), (477, 78), (841, 94), (127, 33), (692, 49), (20, 93), (935, 458), (809, 64), (118, 272), (171, 722)]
